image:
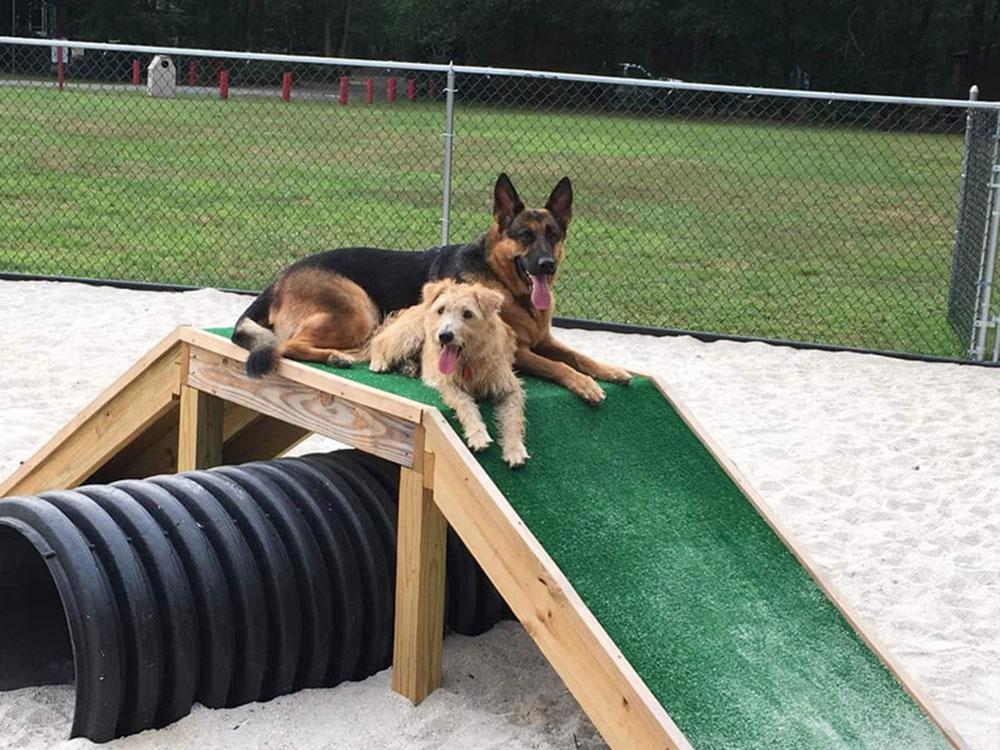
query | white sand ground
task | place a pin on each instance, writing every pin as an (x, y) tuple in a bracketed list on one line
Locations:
[(887, 471)]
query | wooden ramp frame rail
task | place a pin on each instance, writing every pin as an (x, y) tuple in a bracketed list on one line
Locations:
[(188, 404)]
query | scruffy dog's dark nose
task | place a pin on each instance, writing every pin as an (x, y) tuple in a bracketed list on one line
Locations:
[(547, 266), (446, 337)]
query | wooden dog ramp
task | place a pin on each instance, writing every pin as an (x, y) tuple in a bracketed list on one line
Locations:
[(650, 574)]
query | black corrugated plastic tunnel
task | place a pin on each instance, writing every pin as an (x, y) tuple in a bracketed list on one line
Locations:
[(224, 586)]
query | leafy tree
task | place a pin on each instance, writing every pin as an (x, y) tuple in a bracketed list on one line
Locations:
[(920, 47)]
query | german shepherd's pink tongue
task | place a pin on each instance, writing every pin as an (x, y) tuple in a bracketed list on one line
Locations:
[(448, 359), (541, 297)]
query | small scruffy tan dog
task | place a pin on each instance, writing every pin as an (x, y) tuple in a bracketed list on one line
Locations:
[(466, 352)]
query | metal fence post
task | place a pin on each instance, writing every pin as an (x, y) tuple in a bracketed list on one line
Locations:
[(958, 309), (983, 322), (449, 138)]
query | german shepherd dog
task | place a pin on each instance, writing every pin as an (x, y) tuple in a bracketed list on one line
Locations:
[(325, 308)]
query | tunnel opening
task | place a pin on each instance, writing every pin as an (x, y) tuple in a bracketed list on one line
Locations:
[(35, 645)]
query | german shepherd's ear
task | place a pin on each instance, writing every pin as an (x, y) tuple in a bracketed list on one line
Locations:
[(560, 203), (489, 300), (434, 289), (506, 203)]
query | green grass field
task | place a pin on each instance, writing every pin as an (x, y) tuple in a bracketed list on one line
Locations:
[(831, 235)]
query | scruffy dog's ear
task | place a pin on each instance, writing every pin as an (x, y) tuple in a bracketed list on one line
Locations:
[(490, 301), (560, 203), (434, 289), (506, 203)]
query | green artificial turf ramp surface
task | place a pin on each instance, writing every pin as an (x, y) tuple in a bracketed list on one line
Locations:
[(718, 618)]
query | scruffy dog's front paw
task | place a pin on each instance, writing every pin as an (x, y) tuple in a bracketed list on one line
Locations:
[(379, 365), (515, 455), (410, 368), (340, 360), (478, 440)]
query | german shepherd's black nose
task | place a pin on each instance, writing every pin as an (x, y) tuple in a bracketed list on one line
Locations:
[(547, 266), (446, 337)]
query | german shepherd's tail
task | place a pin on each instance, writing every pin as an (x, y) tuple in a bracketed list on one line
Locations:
[(252, 334), (259, 340)]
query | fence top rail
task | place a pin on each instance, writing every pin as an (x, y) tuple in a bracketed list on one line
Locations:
[(511, 72), (228, 55)]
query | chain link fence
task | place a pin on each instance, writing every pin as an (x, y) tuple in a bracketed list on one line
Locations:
[(968, 309), (854, 221)]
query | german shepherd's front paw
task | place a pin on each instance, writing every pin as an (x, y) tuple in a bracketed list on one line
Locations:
[(379, 365), (515, 455), (478, 441), (614, 375), (587, 388)]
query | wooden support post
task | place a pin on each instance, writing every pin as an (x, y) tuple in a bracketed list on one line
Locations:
[(420, 582), (199, 435)]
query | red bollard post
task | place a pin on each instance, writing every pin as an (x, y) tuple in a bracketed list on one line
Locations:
[(223, 84), (369, 91), (192, 73), (411, 89), (432, 89), (286, 87), (343, 89), (136, 73), (390, 90), (60, 72)]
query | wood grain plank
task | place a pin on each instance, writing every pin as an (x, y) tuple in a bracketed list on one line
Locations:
[(308, 407), (199, 436), (262, 439), (420, 585), (155, 451), (358, 393)]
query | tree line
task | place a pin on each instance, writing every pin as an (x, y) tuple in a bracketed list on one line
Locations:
[(914, 47)]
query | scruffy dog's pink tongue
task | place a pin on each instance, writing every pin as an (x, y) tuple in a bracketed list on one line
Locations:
[(448, 360), (541, 297)]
